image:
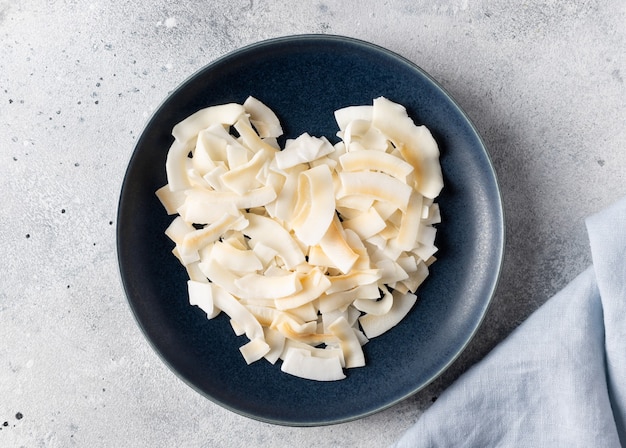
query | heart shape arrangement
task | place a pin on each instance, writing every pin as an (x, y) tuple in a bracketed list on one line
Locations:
[(311, 249)]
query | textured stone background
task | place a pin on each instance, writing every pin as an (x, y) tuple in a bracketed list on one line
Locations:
[(543, 82)]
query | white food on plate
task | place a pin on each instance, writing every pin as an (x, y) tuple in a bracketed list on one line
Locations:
[(311, 249)]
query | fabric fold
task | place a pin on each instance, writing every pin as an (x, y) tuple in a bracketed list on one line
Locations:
[(559, 379), (607, 237)]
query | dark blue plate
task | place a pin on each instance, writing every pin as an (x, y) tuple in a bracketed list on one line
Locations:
[(304, 79)]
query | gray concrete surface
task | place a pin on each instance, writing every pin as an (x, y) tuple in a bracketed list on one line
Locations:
[(543, 82)]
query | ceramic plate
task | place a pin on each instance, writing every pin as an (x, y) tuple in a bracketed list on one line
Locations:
[(304, 79)]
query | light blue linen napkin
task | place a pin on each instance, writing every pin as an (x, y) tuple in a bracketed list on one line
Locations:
[(559, 380)]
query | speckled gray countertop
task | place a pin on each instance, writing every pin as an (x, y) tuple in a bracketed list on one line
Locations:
[(542, 81)]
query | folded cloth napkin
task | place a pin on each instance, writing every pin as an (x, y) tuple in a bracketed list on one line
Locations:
[(559, 379)]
